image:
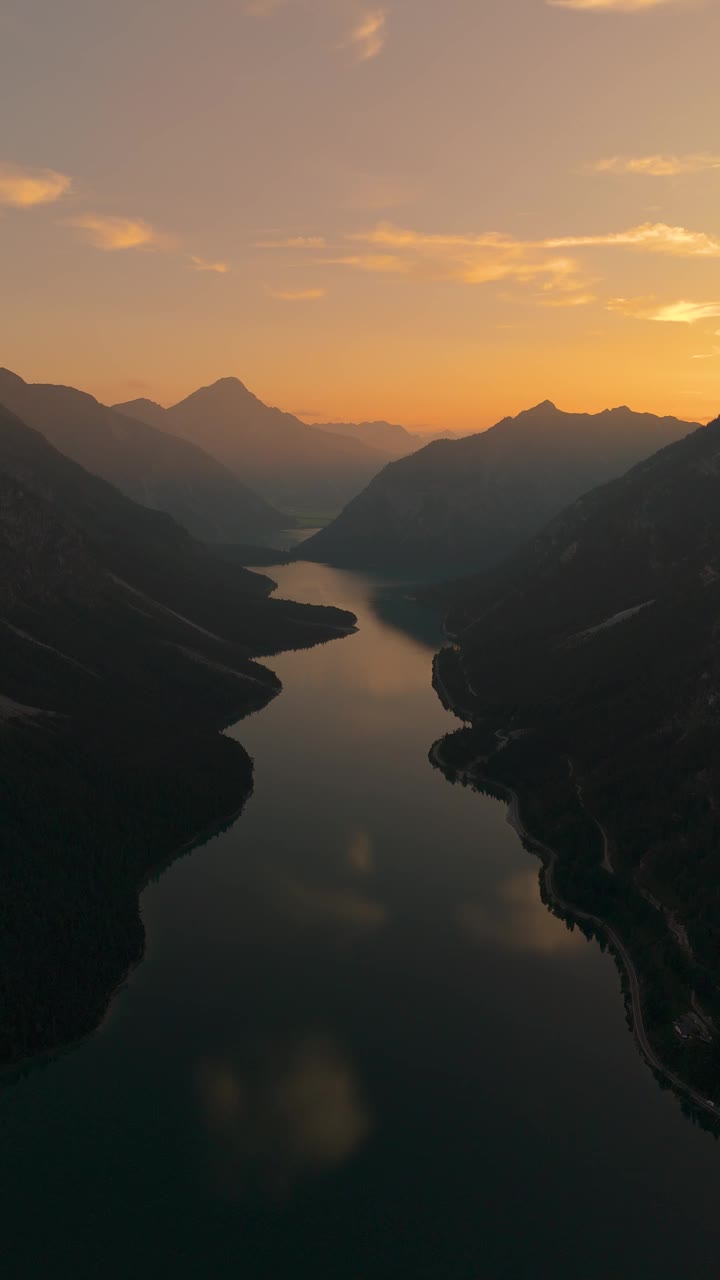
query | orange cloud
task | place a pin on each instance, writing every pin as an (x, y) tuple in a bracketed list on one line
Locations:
[(22, 188), (297, 295), (368, 37), (654, 236), (682, 312), (202, 264), (658, 166), (111, 233), (612, 6), (293, 242)]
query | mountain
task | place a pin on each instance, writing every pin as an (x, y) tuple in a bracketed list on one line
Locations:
[(125, 645), (596, 647), (144, 463), (462, 504), (297, 466), (387, 437)]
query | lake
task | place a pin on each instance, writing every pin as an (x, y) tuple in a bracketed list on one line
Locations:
[(359, 1046)]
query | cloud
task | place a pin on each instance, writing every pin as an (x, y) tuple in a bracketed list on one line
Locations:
[(490, 256), (368, 37), (22, 188), (293, 242), (570, 300), (111, 234), (682, 312), (612, 6), (202, 264), (470, 259), (656, 237), (297, 295), (659, 166)]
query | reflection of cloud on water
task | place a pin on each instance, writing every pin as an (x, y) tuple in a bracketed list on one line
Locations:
[(291, 1112), (360, 853), (341, 908), (517, 919)]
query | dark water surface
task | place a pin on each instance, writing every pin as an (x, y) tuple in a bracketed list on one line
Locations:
[(359, 1047)]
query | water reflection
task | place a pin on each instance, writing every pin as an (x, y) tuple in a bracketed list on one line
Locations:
[(360, 853), (314, 907), (289, 1112), (359, 1046), (516, 919)]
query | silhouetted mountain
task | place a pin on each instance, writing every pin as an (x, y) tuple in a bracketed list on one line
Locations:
[(598, 643), (143, 410), (146, 464), (467, 503), (124, 646), (387, 437), (297, 466)]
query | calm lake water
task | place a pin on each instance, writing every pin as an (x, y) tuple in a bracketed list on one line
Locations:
[(359, 1047)]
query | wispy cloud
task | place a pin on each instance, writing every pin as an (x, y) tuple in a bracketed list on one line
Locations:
[(202, 264), (559, 275), (612, 6), (569, 300), (293, 242), (22, 188), (658, 166), (297, 295), (471, 259), (657, 237), (111, 234), (683, 312), (368, 37)]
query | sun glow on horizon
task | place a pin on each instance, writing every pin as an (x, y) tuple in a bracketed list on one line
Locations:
[(367, 247)]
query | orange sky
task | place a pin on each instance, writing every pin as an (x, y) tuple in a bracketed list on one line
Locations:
[(433, 211)]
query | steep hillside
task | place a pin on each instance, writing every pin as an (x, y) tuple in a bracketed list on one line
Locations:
[(125, 646), (297, 466), (147, 465), (597, 644), (464, 504)]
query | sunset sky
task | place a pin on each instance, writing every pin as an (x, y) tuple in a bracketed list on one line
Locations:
[(433, 211)]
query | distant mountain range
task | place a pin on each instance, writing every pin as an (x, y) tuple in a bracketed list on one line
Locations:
[(296, 466), (387, 437), (151, 466), (125, 646), (462, 504), (597, 645)]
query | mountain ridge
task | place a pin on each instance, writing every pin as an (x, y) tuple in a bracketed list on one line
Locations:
[(461, 504), (289, 462), (148, 465)]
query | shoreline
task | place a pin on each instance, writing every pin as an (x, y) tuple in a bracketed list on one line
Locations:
[(200, 837), (619, 950)]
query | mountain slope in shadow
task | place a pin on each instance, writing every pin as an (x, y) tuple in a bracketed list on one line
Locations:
[(464, 504), (125, 646), (148, 465), (297, 466)]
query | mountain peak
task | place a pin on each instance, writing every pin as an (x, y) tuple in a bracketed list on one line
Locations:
[(226, 384), (10, 379)]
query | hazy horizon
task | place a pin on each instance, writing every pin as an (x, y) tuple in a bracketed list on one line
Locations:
[(367, 211)]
